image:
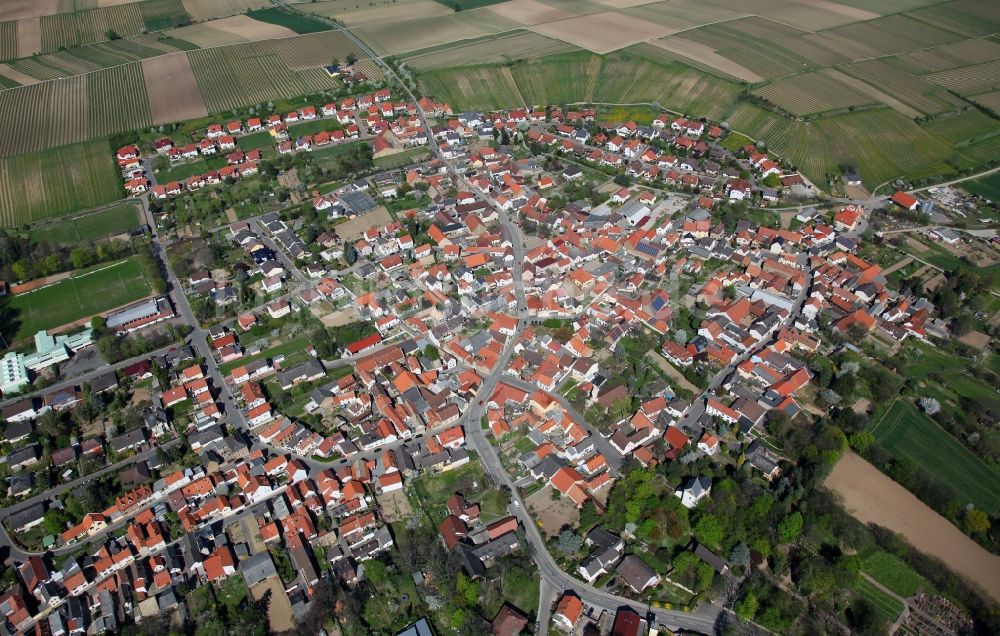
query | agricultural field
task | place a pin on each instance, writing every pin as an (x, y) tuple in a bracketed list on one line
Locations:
[(969, 80), (57, 181), (811, 93), (907, 87), (117, 100), (295, 22), (503, 48), (256, 72), (87, 292), (350, 13), (8, 40), (906, 432), (232, 30), (96, 25), (964, 129), (172, 89), (94, 226), (44, 115), (987, 187), (392, 38), (208, 9), (94, 57)]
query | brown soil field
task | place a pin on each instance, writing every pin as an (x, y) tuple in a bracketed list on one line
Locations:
[(834, 7), (976, 339), (603, 32), (112, 3), (19, 9), (872, 497), (553, 514), (17, 76), (378, 15), (29, 37), (355, 227), (208, 9), (625, 4), (250, 29), (531, 12), (395, 505), (205, 35), (172, 89), (279, 608), (706, 55)]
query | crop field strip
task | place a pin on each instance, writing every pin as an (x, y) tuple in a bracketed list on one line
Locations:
[(507, 47), (411, 35), (57, 181), (255, 72), (969, 80), (208, 9), (8, 40), (949, 56), (94, 57), (811, 93), (971, 18), (117, 100), (910, 88)]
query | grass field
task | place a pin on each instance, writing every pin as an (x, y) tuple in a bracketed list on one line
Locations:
[(91, 227), (293, 21), (891, 572), (987, 187), (886, 607), (435, 489), (401, 159), (906, 432), (296, 345), (86, 293), (57, 181)]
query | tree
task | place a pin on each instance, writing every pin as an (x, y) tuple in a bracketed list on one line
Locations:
[(740, 554), (709, 530), (746, 607), (790, 527), (569, 542), (929, 405), (621, 408), (468, 589), (861, 441), (976, 521), (431, 352)]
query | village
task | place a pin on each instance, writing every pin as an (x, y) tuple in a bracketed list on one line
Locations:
[(497, 338)]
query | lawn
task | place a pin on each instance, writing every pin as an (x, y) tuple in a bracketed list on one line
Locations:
[(891, 572), (91, 227), (293, 21), (286, 349), (923, 359), (400, 159), (906, 432), (434, 490), (986, 187), (190, 169), (86, 293), (313, 127), (887, 608), (255, 141)]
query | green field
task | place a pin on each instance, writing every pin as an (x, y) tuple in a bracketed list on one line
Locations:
[(91, 227), (986, 187), (906, 432), (891, 572), (57, 181), (887, 608), (286, 349), (293, 21), (400, 159), (84, 294), (435, 489), (312, 127)]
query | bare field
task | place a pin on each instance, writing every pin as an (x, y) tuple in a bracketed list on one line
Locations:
[(422, 33), (279, 609), (625, 4), (231, 30), (208, 9), (872, 497), (515, 45), (706, 55), (603, 32), (379, 15), (16, 75), (531, 12), (20, 9), (172, 89), (29, 37)]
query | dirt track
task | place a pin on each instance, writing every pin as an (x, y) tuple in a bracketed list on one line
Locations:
[(874, 498)]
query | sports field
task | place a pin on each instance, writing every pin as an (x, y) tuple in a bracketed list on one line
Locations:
[(119, 219), (86, 293), (906, 432), (57, 181)]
